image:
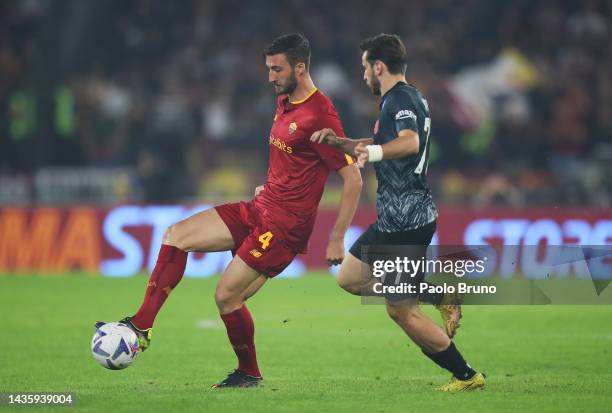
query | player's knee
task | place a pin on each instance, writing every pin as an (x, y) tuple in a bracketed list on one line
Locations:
[(226, 300), (411, 319), (222, 297), (348, 285), (349, 279), (405, 315), (173, 236), (393, 312)]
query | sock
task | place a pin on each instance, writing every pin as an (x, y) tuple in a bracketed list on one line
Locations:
[(241, 333), (451, 360), (167, 273), (431, 298)]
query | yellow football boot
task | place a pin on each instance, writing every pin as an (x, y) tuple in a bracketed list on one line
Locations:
[(476, 382), (450, 310)]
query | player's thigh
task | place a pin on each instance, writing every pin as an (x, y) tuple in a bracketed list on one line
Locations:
[(256, 259), (238, 280), (204, 231), (353, 274), (255, 286)]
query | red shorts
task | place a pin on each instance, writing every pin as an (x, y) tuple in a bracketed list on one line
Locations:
[(254, 241)]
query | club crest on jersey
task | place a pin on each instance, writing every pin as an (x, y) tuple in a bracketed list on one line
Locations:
[(292, 127)]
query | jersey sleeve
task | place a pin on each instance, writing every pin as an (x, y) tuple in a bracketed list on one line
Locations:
[(334, 158), (402, 111)]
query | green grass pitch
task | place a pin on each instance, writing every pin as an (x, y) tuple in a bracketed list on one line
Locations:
[(319, 349)]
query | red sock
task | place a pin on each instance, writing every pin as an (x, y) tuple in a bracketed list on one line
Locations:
[(167, 273), (241, 333)]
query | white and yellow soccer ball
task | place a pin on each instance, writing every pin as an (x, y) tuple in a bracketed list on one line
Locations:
[(114, 346)]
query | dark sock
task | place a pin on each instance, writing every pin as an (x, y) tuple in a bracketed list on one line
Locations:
[(431, 298), (241, 333), (167, 273), (451, 360)]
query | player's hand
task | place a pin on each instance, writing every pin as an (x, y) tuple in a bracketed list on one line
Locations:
[(335, 252), (327, 136), (259, 189), (362, 154)]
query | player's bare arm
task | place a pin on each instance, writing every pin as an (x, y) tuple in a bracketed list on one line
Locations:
[(351, 189), (406, 144), (328, 137)]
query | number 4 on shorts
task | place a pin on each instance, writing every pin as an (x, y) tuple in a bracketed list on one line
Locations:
[(265, 239)]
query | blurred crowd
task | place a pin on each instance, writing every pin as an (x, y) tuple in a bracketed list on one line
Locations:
[(178, 91)]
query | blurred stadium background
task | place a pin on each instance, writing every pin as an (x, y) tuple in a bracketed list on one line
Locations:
[(123, 102), (119, 117)]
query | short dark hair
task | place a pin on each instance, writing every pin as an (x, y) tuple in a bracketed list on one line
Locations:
[(389, 49), (295, 46)]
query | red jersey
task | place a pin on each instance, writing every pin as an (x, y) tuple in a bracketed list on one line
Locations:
[(298, 168)]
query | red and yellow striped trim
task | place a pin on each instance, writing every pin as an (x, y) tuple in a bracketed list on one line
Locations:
[(305, 99)]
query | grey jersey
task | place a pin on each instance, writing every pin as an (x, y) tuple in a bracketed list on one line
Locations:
[(403, 198)]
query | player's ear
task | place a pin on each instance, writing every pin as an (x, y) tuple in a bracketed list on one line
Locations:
[(300, 69), (378, 67)]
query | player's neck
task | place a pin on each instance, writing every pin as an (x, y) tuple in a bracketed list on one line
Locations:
[(303, 90), (387, 82)]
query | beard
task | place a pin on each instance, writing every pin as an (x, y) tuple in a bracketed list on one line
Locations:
[(374, 85), (287, 88)]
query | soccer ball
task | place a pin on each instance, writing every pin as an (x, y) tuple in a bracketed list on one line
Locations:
[(114, 346)]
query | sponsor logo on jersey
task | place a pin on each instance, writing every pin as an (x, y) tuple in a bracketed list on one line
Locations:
[(255, 253), (280, 144), (405, 114), (292, 127)]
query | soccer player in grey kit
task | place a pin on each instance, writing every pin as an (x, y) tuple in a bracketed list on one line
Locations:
[(407, 215)]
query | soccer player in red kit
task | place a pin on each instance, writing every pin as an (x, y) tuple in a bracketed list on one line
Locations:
[(266, 233)]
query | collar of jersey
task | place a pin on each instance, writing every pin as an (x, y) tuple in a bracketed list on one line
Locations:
[(289, 105), (297, 102), (382, 100)]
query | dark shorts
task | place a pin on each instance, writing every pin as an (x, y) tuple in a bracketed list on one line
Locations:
[(256, 244), (375, 246)]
